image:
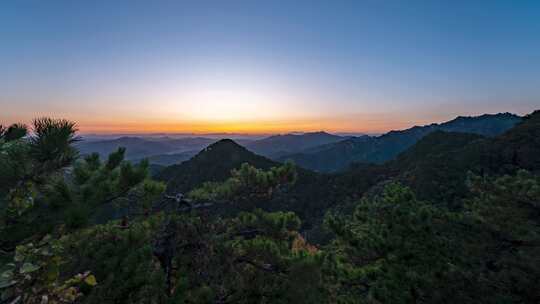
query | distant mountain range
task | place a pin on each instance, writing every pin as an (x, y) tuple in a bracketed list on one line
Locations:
[(435, 166), (160, 150), (170, 159), (165, 151), (318, 151), (366, 149), (279, 145)]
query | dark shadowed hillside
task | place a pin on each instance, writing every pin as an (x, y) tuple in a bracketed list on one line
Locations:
[(278, 145), (408, 213), (214, 163), (436, 167), (338, 156), (310, 197), (270, 152), (432, 146)]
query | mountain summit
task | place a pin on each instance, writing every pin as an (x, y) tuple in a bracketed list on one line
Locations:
[(214, 163)]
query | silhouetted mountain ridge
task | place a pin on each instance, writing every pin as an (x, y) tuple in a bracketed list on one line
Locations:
[(435, 167), (138, 147), (277, 145), (213, 163), (338, 156)]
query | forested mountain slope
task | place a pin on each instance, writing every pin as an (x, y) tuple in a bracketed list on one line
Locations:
[(214, 163), (338, 156), (437, 166), (453, 219)]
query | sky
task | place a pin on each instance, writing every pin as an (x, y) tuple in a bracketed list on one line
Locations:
[(266, 66)]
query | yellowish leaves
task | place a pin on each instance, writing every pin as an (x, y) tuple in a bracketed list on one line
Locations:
[(91, 280)]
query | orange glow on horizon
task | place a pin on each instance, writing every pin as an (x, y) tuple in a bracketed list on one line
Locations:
[(146, 122), (244, 127)]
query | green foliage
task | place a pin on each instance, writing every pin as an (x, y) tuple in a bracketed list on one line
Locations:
[(247, 184), (84, 170), (507, 204), (14, 164), (275, 223), (115, 159), (447, 239), (507, 209), (213, 164), (117, 182), (58, 194), (394, 249), (39, 193), (20, 199), (120, 259), (34, 275), (397, 249), (13, 132), (256, 257), (149, 191), (28, 163), (131, 175), (51, 145)]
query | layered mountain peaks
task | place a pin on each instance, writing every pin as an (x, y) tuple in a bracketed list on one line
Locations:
[(340, 155)]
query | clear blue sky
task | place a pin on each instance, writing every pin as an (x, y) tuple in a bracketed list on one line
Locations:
[(266, 65)]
